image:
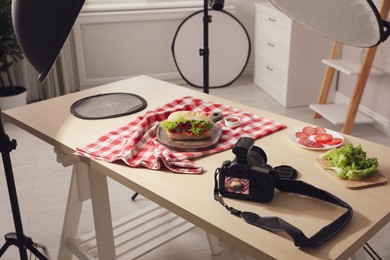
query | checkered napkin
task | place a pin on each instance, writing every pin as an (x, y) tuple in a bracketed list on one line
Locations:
[(136, 143)]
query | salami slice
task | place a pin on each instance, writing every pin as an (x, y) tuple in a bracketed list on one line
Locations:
[(301, 135), (310, 143)]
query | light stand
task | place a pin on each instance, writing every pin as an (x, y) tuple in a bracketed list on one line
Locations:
[(216, 5), (205, 51), (15, 238)]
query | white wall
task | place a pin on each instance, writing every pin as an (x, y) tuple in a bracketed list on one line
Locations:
[(245, 13), (162, 24)]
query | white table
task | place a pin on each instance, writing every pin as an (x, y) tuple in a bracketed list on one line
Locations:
[(190, 196)]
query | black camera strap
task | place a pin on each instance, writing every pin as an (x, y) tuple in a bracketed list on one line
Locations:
[(277, 224)]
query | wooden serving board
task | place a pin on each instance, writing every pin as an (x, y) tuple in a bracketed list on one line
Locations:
[(189, 145), (376, 179)]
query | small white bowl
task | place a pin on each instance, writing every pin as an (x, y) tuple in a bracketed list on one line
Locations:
[(232, 121)]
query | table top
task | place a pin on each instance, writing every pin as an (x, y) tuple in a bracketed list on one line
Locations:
[(191, 196)]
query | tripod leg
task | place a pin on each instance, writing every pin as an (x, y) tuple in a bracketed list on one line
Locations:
[(4, 248), (36, 252), (23, 243), (22, 253), (134, 196), (18, 238), (40, 246)]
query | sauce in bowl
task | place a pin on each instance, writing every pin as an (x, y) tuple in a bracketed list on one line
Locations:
[(232, 121)]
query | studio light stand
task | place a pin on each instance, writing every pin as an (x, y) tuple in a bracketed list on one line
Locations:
[(205, 52), (17, 238)]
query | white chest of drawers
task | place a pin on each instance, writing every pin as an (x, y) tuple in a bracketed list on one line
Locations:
[(287, 58)]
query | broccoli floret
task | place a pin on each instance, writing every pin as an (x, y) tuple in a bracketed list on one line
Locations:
[(350, 162)]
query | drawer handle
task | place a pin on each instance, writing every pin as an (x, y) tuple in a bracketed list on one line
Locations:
[(269, 68), (270, 44), (271, 19)]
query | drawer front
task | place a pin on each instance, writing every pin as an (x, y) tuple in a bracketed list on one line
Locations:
[(271, 69), (272, 35), (273, 49), (272, 22), (271, 78), (271, 89)]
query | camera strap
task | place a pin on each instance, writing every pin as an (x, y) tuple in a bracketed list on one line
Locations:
[(276, 224)]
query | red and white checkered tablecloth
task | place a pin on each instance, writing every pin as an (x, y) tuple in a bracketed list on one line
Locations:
[(136, 143)]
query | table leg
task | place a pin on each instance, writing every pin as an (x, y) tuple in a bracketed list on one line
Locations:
[(101, 214), (214, 244), (73, 211)]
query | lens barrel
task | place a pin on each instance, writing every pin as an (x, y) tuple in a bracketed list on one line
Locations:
[(257, 157)]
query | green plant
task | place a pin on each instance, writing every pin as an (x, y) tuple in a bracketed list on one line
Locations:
[(10, 51)]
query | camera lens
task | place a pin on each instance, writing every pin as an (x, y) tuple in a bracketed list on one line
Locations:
[(257, 156)]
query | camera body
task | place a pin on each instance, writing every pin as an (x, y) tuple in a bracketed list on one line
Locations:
[(248, 176)]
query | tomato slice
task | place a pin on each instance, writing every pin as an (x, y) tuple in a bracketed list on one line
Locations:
[(301, 135), (309, 130), (323, 138), (335, 141)]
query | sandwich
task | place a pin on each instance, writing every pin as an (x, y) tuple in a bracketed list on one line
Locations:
[(187, 125)]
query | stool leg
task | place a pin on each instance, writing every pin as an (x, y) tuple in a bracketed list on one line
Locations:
[(328, 77)]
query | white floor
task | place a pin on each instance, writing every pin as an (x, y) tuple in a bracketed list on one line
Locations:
[(42, 186)]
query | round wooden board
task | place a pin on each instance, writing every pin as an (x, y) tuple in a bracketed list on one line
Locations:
[(189, 145)]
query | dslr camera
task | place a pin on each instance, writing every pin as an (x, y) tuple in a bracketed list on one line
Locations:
[(248, 176)]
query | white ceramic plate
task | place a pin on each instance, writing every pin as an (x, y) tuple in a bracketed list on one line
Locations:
[(291, 136)]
